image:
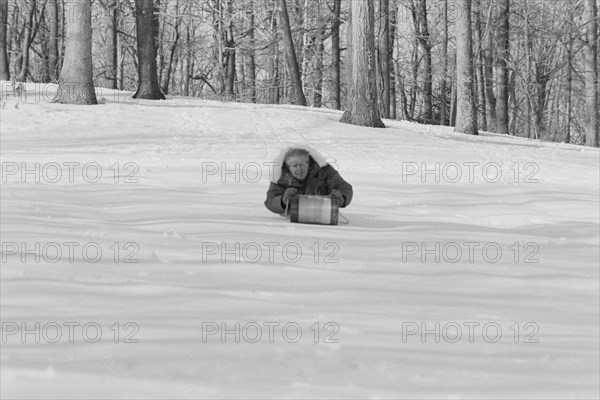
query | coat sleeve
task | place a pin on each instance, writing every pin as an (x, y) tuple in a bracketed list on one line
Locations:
[(273, 201), (335, 181)]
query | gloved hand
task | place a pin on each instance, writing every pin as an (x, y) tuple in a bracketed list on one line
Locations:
[(288, 194), (336, 194)]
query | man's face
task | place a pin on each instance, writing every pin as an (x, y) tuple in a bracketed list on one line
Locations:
[(298, 166)]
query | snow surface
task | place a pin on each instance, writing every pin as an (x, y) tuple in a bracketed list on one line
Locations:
[(367, 292)]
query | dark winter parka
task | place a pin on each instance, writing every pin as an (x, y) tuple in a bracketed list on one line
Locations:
[(322, 178)]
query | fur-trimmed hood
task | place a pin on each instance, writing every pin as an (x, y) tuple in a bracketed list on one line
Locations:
[(279, 160)]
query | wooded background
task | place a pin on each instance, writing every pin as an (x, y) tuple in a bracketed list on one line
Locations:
[(524, 67)]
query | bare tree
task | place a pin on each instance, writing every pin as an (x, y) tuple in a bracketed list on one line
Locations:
[(75, 84), (488, 71), (478, 64), (172, 50), (274, 94), (307, 44), (111, 56), (250, 66), (335, 53), (393, 27), (229, 51), (318, 60), (569, 94), (362, 105), (419, 13), (290, 55), (53, 48), (148, 87), (444, 56), (4, 64), (590, 19), (383, 58), (502, 79), (466, 114), (26, 41)]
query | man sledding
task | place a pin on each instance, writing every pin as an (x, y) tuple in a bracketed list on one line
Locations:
[(301, 170)]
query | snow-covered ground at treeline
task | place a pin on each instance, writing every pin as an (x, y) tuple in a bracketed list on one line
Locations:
[(138, 259)]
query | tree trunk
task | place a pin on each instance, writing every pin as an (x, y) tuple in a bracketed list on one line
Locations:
[(14, 40), (4, 61), (541, 80), (45, 73), (335, 54), (273, 65), (415, 78), (502, 68), (478, 61), (512, 98), (53, 56), (110, 73), (393, 20), (121, 69), (443, 88), (403, 99), (250, 56), (172, 50), (75, 84), (453, 102), (528, 56), (402, 110), (290, 55), (286, 89), (229, 52), (383, 58), (26, 41), (306, 46), (273, 93), (424, 40), (189, 65), (489, 81), (240, 70), (591, 73), (218, 48), (148, 87), (156, 23), (362, 106), (318, 68), (160, 45), (569, 87), (466, 114), (169, 79)]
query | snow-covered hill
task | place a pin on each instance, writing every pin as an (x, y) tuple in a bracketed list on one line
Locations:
[(144, 264)]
